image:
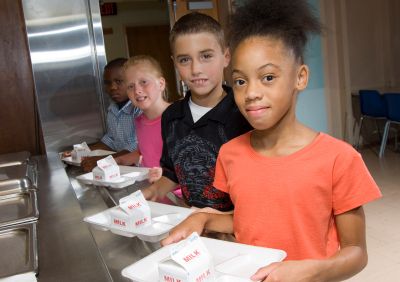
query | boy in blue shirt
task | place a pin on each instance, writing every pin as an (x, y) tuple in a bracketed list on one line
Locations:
[(120, 136)]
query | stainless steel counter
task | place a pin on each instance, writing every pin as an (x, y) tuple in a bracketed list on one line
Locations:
[(68, 248), (67, 251), (114, 251)]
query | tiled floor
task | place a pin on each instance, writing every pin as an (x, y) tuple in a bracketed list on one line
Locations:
[(383, 220)]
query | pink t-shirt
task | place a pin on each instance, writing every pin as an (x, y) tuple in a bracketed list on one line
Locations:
[(149, 140), (150, 144)]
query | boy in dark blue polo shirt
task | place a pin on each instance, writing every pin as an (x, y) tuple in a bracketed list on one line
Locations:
[(193, 129)]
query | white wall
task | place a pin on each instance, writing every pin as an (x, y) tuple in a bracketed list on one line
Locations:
[(138, 13), (361, 50), (372, 27)]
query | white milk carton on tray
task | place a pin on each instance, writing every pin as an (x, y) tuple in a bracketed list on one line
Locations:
[(133, 213), (106, 170), (189, 261), (79, 151)]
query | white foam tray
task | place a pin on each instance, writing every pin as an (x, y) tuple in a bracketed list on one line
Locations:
[(94, 153), (233, 262), (129, 174), (164, 218)]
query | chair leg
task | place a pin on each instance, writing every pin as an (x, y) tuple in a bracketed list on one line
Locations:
[(359, 133), (384, 138), (378, 130)]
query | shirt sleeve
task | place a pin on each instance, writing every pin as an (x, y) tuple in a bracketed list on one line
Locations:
[(353, 185), (165, 161), (107, 138), (220, 181)]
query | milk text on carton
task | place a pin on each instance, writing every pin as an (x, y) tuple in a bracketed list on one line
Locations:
[(191, 256), (171, 279), (204, 276), (141, 221), (133, 206), (119, 222)]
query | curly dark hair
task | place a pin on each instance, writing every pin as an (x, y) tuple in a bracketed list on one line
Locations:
[(196, 22), (291, 21)]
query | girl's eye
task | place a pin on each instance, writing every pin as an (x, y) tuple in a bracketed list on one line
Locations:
[(119, 81), (143, 82), (239, 82), (268, 78), (183, 60)]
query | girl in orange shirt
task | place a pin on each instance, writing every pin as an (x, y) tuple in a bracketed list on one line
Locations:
[(292, 188)]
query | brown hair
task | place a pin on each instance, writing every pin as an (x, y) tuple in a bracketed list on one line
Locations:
[(196, 23)]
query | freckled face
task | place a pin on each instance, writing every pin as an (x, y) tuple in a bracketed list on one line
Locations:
[(200, 62), (266, 80), (144, 86)]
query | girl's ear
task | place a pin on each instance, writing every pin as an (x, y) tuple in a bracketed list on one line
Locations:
[(162, 83), (302, 77)]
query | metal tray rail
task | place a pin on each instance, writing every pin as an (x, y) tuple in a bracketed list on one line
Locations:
[(24, 170), (19, 249), (18, 208), (12, 186), (13, 159)]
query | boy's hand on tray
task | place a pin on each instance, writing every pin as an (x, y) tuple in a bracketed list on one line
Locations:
[(88, 163), (194, 223), (150, 194), (66, 154)]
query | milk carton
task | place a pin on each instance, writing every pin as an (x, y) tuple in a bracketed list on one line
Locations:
[(79, 151), (133, 213), (106, 170), (189, 261)]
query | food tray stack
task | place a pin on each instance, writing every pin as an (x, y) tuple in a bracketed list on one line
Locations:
[(19, 214)]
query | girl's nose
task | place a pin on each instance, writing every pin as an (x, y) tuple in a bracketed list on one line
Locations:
[(138, 89), (252, 91)]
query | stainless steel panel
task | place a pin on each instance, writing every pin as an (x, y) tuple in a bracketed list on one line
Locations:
[(67, 54), (14, 158), (18, 208), (13, 186), (18, 245)]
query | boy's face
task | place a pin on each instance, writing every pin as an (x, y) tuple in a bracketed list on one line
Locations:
[(200, 62), (144, 86), (266, 80), (114, 84)]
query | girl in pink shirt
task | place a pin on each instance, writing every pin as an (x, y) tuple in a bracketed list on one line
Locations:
[(146, 89)]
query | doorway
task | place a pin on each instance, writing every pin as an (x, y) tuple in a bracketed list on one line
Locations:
[(154, 41)]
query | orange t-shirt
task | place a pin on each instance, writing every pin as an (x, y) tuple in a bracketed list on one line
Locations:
[(289, 202)]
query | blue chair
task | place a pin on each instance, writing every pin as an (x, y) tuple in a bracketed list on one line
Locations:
[(372, 106), (392, 101)]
